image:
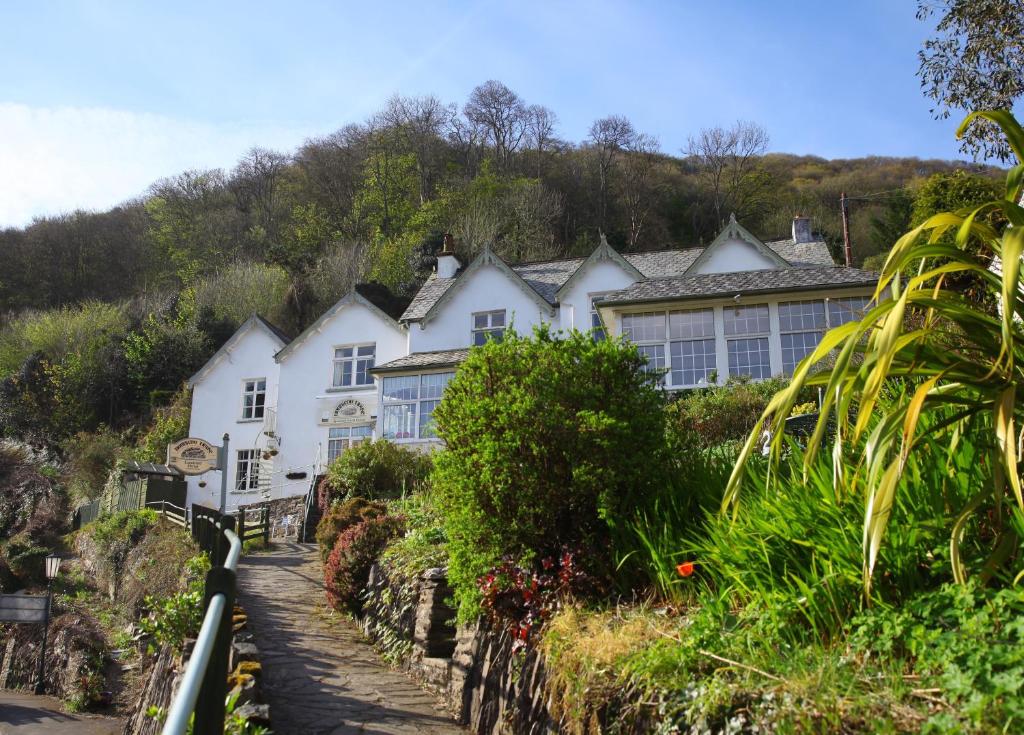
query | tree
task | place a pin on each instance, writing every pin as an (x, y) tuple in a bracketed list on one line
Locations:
[(728, 162), (540, 127), (607, 137), (421, 122), (257, 185), (501, 113), (975, 61), (638, 186)]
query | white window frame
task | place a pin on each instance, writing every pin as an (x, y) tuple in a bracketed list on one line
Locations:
[(353, 361), (417, 406), (789, 364), (492, 330), (340, 438), (848, 315), (757, 334), (247, 464), (664, 346), (255, 392)]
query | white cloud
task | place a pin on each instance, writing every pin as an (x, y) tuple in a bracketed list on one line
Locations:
[(58, 159)]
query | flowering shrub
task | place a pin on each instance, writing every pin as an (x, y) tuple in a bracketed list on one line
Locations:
[(348, 565), (521, 599), (341, 517)]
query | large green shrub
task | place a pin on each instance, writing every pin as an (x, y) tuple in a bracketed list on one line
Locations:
[(550, 441), (723, 414), (341, 517), (377, 470)]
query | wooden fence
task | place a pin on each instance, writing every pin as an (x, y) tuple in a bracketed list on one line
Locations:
[(253, 523)]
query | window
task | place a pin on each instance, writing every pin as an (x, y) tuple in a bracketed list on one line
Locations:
[(247, 471), (254, 398), (352, 365), (647, 332), (488, 324), (596, 326), (344, 437), (748, 355), (409, 403), (692, 351), (801, 326), (846, 309)]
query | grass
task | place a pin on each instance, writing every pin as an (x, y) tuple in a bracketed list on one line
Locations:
[(257, 545)]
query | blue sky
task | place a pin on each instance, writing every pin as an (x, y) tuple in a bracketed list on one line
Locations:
[(99, 99)]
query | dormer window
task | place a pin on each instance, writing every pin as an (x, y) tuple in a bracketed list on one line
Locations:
[(254, 398), (352, 365), (488, 325)]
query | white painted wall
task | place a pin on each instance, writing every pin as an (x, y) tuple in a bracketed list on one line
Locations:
[(599, 277), (734, 255), (306, 394), (217, 409), (486, 289)]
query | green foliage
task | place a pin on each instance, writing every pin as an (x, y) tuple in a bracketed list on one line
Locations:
[(960, 361), (171, 620), (549, 441), (949, 192), (379, 470), (169, 425), (424, 543), (116, 534), (92, 456), (239, 290), (723, 414), (341, 516)]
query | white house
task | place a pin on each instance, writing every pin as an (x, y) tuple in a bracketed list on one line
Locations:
[(739, 306), (235, 393)]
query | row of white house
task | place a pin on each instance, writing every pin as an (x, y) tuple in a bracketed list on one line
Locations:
[(736, 307)]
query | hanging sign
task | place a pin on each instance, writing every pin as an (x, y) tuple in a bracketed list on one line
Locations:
[(193, 456)]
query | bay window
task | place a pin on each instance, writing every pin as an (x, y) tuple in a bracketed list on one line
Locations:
[(684, 352), (409, 402)]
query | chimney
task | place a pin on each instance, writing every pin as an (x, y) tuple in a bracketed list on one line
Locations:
[(802, 229), (447, 264)]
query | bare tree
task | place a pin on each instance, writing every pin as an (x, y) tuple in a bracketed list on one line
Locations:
[(608, 137), (422, 123), (727, 159), (502, 115), (256, 183), (639, 191), (540, 128), (332, 168)]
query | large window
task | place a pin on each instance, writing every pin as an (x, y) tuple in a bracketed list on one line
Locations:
[(409, 403), (692, 352), (684, 352), (747, 329), (352, 365), (801, 326), (846, 309), (254, 398), (488, 325), (247, 470), (345, 437)]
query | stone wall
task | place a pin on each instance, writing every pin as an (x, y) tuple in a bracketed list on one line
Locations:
[(281, 508), (485, 685)]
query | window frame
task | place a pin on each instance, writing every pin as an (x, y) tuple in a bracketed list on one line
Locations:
[(664, 348), (802, 330), (347, 439), (489, 330), (354, 361), (255, 393), (414, 411), (252, 470), (757, 335)]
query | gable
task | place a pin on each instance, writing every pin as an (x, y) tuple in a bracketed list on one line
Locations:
[(735, 249), (250, 343), (371, 322)]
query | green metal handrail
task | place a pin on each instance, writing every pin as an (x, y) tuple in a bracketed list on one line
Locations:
[(203, 687)]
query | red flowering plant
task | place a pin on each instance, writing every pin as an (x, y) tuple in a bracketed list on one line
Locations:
[(520, 598)]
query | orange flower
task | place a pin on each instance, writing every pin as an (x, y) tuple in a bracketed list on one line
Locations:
[(685, 569)]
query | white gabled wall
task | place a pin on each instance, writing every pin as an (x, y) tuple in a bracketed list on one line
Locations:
[(734, 255), (306, 394), (599, 277), (217, 409), (486, 289)]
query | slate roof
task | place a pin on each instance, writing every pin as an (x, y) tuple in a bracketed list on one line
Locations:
[(546, 277), (709, 285), (419, 360), (276, 331)]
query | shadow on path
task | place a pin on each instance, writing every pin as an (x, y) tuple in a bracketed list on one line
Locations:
[(27, 714), (320, 675)]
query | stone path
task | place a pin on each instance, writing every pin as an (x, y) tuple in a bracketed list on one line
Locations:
[(26, 714), (320, 674)]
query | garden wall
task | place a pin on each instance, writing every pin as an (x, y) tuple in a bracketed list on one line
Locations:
[(485, 685), (280, 509)]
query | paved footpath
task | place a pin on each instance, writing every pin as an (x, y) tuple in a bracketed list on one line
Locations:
[(320, 675), (26, 714)]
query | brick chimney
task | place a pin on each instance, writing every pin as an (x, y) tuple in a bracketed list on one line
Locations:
[(447, 264), (802, 229)]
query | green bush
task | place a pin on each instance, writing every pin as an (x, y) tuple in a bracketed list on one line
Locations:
[(342, 516), (92, 455), (170, 424), (377, 470), (424, 544), (724, 414), (173, 619), (115, 535), (550, 441)]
